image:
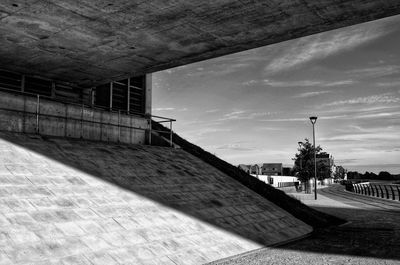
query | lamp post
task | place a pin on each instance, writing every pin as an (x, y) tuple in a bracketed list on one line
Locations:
[(313, 121)]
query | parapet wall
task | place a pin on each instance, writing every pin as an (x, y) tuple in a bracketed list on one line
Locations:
[(28, 114)]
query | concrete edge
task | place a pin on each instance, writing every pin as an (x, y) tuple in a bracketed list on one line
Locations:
[(216, 262)]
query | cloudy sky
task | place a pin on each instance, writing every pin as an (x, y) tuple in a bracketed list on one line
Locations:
[(253, 106)]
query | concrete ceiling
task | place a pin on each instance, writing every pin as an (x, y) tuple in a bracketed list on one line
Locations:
[(89, 42)]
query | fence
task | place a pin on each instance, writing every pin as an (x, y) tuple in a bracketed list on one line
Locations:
[(288, 184), (378, 190), (32, 113)]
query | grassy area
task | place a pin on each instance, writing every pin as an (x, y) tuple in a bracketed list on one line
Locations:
[(308, 215)]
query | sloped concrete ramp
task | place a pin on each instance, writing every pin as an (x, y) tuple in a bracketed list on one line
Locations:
[(77, 202)]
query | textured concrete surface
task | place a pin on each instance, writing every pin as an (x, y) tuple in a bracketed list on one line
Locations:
[(91, 42), (74, 121), (370, 237), (77, 202)]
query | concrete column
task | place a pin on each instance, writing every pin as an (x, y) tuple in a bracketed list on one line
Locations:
[(53, 89), (23, 83), (111, 95), (148, 94), (128, 96)]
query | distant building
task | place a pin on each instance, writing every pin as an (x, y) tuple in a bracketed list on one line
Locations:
[(245, 168), (328, 165), (255, 169), (286, 171), (279, 181), (271, 169), (251, 169)]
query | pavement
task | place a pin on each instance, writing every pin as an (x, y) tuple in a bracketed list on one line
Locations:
[(370, 236), (79, 202)]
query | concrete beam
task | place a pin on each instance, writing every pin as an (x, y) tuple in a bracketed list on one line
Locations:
[(90, 42)]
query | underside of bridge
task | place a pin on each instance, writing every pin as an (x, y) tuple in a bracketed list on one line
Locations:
[(88, 42)]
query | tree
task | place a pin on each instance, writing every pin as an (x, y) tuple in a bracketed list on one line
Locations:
[(353, 175), (340, 172), (304, 162), (384, 175)]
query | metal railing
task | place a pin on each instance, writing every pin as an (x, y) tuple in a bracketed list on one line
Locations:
[(386, 191), (37, 114)]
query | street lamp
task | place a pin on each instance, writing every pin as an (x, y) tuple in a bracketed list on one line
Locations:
[(313, 121)]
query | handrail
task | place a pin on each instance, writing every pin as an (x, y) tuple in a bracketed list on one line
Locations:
[(82, 105), (388, 191), (70, 102), (160, 117)]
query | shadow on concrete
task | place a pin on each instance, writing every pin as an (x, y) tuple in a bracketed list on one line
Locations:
[(171, 177), (369, 233), (197, 189)]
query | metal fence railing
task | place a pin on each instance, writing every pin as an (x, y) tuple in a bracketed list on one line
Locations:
[(40, 103), (387, 191)]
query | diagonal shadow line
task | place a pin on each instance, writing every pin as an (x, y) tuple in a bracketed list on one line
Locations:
[(170, 177), (69, 152)]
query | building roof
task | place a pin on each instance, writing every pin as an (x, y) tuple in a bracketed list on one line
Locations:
[(272, 165)]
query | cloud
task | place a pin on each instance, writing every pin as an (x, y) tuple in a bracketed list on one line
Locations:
[(235, 147), (287, 119), (389, 84), (322, 45), (261, 128), (245, 115), (312, 94), (218, 69), (163, 109), (383, 98), (201, 132), (339, 83), (302, 83), (377, 71), (347, 161), (212, 110), (364, 137), (378, 115), (299, 83), (250, 82)]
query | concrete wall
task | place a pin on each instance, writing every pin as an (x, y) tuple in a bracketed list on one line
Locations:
[(68, 120)]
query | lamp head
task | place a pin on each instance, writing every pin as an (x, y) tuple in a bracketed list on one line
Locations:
[(313, 119), (300, 143)]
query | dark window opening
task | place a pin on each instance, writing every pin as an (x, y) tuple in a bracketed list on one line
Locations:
[(102, 98), (38, 86), (10, 80)]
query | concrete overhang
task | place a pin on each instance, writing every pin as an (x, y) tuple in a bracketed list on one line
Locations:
[(91, 42)]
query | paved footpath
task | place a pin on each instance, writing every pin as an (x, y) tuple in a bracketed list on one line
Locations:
[(371, 235)]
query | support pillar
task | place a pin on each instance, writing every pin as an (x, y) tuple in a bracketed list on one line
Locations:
[(148, 94)]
